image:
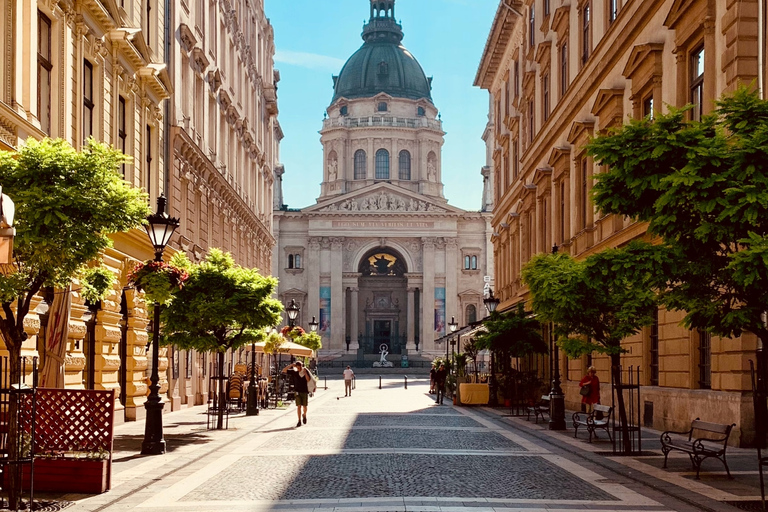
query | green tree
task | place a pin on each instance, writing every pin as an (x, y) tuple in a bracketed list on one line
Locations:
[(511, 334), (703, 189), (67, 202), (311, 340), (596, 302), (221, 306)]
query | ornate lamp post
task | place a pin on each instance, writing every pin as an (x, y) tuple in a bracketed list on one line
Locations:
[(313, 325), (252, 405), (556, 395), (160, 229), (293, 313), (452, 325), (491, 303)]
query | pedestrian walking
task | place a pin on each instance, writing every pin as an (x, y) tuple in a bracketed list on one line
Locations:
[(440, 377), (348, 376), (300, 377), (590, 389), (432, 373)]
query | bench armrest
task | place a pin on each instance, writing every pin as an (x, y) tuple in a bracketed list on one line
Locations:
[(666, 437)]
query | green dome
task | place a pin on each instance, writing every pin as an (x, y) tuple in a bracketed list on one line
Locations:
[(382, 64)]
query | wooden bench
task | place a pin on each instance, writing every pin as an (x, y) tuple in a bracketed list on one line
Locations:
[(599, 418), (539, 409), (699, 448)]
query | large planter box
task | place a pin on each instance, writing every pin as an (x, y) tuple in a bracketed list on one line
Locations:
[(84, 476)]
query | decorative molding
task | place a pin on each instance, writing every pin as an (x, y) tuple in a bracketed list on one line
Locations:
[(382, 202)]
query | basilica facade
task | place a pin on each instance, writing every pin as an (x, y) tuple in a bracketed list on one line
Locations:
[(382, 260)]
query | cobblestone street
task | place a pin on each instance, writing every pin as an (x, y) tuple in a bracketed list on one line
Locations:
[(389, 449)]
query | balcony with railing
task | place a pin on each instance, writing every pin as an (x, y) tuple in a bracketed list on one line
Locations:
[(377, 121)]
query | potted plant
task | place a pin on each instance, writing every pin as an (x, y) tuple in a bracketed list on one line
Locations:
[(79, 472)]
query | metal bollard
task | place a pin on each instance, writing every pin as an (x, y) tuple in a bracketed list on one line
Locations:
[(379, 381), (325, 380), (406, 381)]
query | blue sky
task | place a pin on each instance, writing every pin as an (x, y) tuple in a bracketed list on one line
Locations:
[(314, 38)]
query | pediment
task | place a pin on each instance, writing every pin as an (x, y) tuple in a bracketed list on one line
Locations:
[(642, 56), (382, 198), (678, 9)]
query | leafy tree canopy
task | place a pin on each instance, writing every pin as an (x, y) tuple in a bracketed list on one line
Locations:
[(310, 340), (514, 334), (703, 189), (596, 302), (221, 306)]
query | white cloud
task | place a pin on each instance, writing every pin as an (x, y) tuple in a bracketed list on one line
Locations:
[(309, 60)]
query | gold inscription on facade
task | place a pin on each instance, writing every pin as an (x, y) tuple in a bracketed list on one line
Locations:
[(366, 224)]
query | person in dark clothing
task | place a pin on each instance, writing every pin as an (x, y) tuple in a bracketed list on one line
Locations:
[(432, 373), (299, 377), (440, 377)]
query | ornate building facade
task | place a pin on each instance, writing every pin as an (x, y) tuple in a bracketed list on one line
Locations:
[(225, 140), (105, 69), (382, 259), (560, 72)]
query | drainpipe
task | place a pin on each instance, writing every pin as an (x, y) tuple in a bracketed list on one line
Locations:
[(167, 115), (761, 44)]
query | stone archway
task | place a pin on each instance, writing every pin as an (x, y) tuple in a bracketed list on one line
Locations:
[(382, 300)]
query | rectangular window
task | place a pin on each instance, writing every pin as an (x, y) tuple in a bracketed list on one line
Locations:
[(122, 128), (148, 149), (515, 159), (532, 27), (563, 69), (697, 83), (545, 96), (87, 100), (148, 22), (517, 78), (648, 107), (507, 97), (613, 10), (562, 212), (654, 350), (586, 40), (584, 193), (44, 71), (546, 8), (531, 121), (705, 360)]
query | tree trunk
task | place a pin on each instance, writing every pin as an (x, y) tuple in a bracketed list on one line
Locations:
[(223, 402), (623, 423)]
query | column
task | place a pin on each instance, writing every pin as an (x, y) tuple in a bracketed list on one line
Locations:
[(136, 360), (428, 299), (354, 343), (338, 326), (451, 280), (411, 341), (313, 278)]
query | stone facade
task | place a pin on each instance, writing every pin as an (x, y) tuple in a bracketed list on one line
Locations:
[(74, 69), (558, 74), (382, 258), (225, 145)]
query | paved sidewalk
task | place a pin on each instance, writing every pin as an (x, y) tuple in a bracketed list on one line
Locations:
[(393, 449)]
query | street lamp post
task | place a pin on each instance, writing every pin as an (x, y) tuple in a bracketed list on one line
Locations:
[(556, 395), (452, 326), (491, 303), (252, 405), (160, 229), (293, 312), (313, 325)]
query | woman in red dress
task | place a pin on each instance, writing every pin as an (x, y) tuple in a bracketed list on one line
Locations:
[(593, 397)]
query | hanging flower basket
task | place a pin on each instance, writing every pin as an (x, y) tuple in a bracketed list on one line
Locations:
[(158, 280), (292, 332)]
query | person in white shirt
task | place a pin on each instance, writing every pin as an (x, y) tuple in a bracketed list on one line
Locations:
[(348, 376)]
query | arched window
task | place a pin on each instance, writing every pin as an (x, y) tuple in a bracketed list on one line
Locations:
[(420, 112), (405, 165), (382, 164), (297, 261), (466, 263), (474, 262), (360, 164), (290, 261), (471, 314)]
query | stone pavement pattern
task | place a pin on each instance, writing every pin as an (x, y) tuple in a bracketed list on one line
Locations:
[(387, 449)]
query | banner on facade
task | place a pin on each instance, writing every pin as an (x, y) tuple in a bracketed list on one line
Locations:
[(440, 311), (325, 311)]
